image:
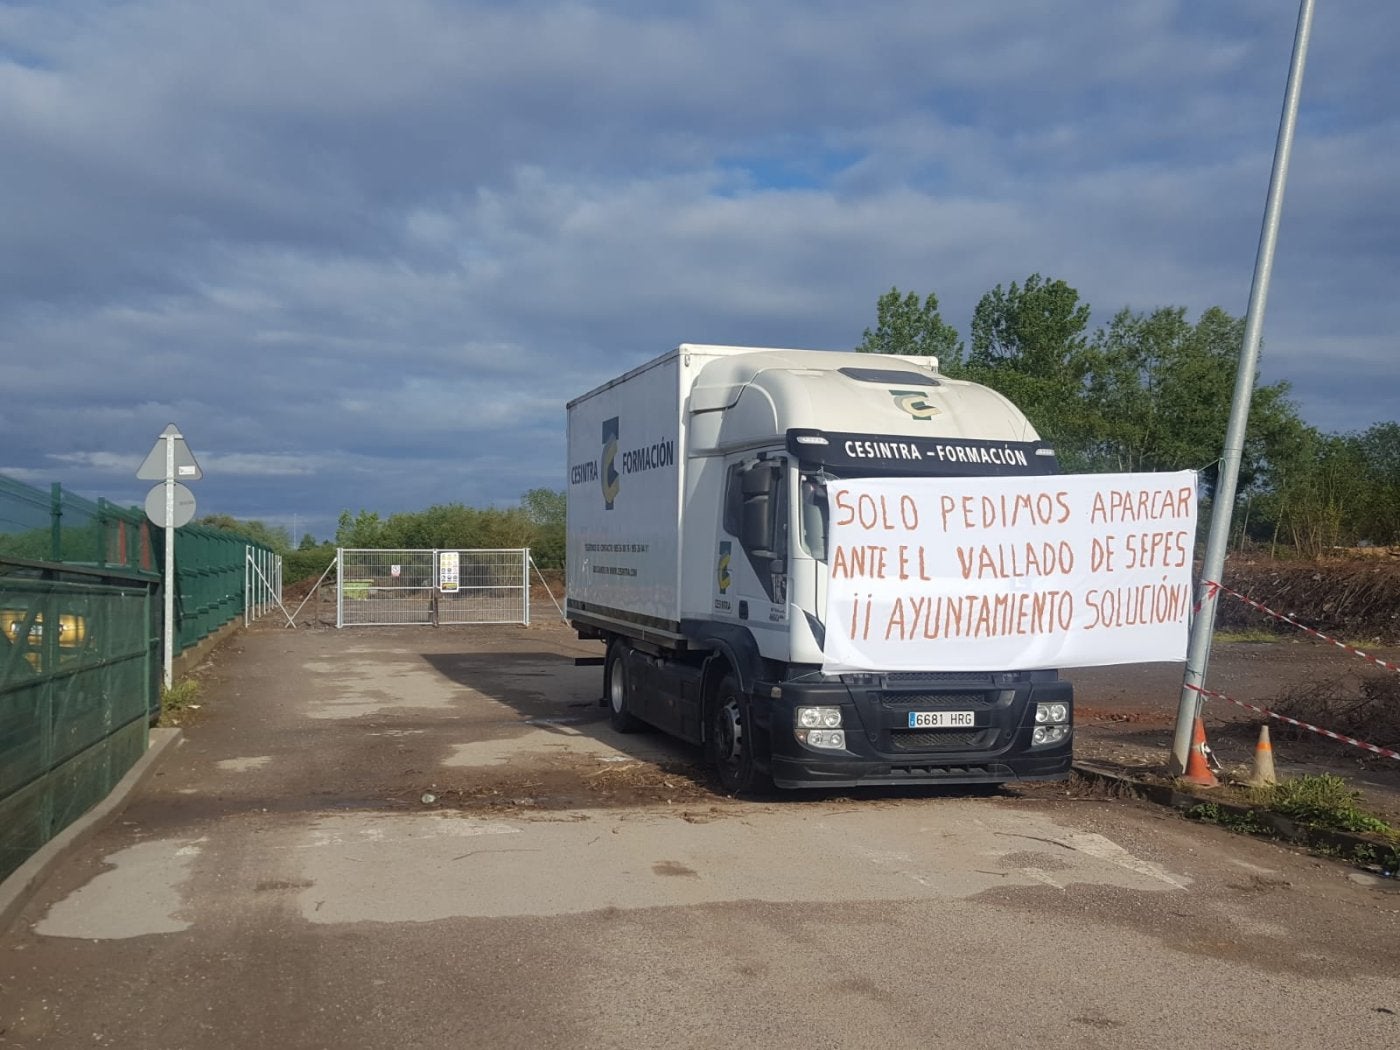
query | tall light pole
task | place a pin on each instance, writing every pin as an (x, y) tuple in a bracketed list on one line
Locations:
[(1223, 501)]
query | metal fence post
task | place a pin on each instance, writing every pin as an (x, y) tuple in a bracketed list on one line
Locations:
[(48, 620), (148, 651), (103, 516), (56, 521)]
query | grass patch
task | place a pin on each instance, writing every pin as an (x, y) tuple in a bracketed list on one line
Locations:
[(1323, 802), (1387, 858), (1211, 813), (1320, 801), (1255, 635), (178, 698)]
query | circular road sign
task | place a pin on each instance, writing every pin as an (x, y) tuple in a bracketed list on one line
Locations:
[(184, 506)]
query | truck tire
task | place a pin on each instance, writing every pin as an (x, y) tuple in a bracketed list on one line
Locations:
[(617, 686), (732, 740)]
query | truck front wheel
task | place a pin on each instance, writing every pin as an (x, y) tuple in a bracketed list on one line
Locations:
[(733, 739), (618, 686)]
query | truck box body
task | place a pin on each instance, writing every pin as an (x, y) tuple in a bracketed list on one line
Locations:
[(696, 550), (625, 490)]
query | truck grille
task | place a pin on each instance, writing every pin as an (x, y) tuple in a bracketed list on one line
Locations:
[(943, 701), (919, 677), (942, 739)]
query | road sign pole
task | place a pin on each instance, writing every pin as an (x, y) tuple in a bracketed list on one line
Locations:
[(169, 554), (169, 505)]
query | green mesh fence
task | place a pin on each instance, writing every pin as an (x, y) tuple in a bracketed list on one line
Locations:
[(79, 664), (57, 526), (80, 637), (209, 579)]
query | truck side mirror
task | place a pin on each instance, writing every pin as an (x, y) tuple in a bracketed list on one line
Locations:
[(758, 480), (756, 529)]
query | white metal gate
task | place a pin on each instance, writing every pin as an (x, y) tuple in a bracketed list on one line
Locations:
[(431, 587), (262, 582)]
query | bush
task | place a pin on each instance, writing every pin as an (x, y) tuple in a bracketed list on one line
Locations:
[(306, 564), (1363, 705)]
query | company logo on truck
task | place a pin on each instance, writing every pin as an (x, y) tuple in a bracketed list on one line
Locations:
[(612, 480), (915, 402), (615, 461)]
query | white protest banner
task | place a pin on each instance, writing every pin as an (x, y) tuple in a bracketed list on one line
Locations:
[(987, 574)]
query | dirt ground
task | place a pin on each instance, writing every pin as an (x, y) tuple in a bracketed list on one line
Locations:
[(1124, 721)]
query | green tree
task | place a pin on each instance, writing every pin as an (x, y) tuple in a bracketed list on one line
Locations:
[(274, 536), (1380, 452), (1029, 343), (1315, 500), (308, 543), (1340, 490), (1160, 389), (363, 532), (443, 526), (903, 325), (545, 506), (507, 527), (546, 511)]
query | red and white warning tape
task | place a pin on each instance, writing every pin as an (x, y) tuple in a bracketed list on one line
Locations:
[(1214, 588), (1210, 693)]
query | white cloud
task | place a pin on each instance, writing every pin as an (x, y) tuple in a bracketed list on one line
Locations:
[(102, 461)]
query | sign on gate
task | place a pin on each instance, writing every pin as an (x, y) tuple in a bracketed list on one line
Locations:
[(432, 587), (448, 565)]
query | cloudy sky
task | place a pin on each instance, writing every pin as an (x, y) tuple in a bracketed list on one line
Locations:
[(362, 251)]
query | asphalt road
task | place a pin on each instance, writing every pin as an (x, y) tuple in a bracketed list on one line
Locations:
[(417, 838)]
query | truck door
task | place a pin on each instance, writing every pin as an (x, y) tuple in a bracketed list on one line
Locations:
[(752, 561)]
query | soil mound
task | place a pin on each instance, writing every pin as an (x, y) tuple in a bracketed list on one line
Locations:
[(1356, 599)]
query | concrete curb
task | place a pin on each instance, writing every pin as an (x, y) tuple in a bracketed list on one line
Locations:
[(17, 888), (1350, 847), (188, 659)]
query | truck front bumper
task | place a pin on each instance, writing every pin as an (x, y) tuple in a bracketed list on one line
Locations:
[(882, 749)]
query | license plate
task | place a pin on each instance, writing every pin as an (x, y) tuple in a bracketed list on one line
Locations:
[(941, 720)]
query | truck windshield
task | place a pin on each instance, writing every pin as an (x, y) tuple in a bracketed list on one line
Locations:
[(813, 510)]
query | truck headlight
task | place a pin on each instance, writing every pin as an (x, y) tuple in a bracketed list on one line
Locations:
[(820, 727), (818, 717), (1048, 735), (1051, 724)]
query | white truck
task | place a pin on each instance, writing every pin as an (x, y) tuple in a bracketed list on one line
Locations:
[(697, 551)]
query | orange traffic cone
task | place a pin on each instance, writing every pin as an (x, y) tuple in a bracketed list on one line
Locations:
[(1197, 767), (1263, 774)]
